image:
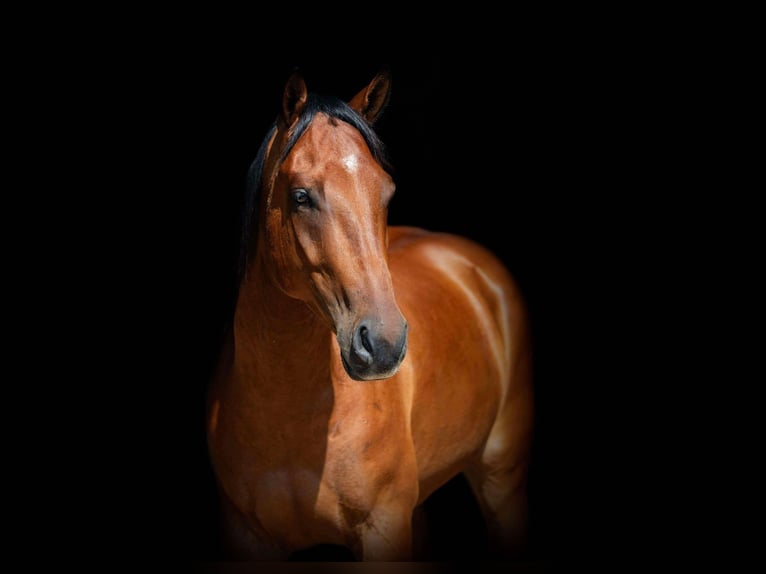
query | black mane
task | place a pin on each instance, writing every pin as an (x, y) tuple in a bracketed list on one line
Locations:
[(315, 103)]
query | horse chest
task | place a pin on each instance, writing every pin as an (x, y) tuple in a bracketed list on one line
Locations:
[(306, 503), (342, 456), (308, 478)]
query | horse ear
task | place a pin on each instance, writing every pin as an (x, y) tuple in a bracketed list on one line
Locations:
[(293, 100), (371, 101)]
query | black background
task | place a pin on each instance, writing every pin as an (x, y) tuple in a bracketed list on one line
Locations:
[(519, 149), (576, 143)]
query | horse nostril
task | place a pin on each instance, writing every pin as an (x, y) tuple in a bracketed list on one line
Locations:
[(362, 350), (365, 339)]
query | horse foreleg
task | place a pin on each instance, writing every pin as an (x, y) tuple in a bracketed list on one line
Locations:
[(502, 498), (240, 541), (498, 479), (386, 535)]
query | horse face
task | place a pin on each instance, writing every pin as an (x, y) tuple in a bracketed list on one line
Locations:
[(328, 224)]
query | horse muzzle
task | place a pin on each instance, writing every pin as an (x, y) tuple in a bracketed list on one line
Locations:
[(374, 352)]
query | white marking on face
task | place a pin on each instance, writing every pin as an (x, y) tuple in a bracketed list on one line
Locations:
[(350, 162)]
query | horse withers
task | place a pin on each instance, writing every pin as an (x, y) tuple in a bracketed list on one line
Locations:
[(367, 364)]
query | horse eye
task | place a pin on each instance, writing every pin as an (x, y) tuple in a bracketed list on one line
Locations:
[(301, 197)]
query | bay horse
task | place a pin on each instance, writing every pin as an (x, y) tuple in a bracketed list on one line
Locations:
[(366, 364)]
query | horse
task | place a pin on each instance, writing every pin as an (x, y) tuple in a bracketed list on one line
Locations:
[(366, 364)]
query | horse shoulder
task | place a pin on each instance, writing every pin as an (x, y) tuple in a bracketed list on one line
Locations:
[(449, 282), (467, 332), (460, 260)]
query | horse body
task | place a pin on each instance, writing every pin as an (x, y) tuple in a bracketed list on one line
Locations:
[(367, 365)]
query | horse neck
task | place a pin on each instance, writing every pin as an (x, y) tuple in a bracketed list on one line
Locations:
[(277, 337)]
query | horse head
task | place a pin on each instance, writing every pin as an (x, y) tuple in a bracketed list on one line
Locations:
[(324, 221)]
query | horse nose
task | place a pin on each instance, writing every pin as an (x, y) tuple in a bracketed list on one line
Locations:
[(373, 354)]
